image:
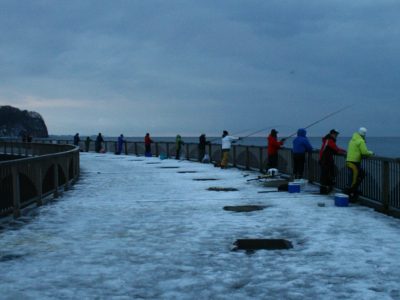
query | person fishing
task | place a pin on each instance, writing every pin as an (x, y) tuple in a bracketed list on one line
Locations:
[(178, 142), (357, 149), (301, 145), (76, 139), (120, 142), (87, 144), (226, 147), (147, 145), (98, 145), (202, 146), (272, 149), (327, 162)]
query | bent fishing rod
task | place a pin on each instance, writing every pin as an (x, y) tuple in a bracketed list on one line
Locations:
[(255, 132), (323, 119), (251, 134)]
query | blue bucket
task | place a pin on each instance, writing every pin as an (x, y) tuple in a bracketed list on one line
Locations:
[(341, 200), (294, 187)]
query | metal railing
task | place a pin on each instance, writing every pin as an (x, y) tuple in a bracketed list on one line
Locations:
[(40, 170), (380, 188)]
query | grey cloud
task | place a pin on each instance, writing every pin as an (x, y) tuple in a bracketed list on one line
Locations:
[(203, 66)]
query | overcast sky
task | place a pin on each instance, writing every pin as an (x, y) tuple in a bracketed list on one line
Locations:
[(188, 67)]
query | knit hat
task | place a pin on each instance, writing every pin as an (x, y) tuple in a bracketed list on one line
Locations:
[(362, 131)]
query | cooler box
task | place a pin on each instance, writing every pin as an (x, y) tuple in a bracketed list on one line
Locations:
[(294, 187), (341, 200)]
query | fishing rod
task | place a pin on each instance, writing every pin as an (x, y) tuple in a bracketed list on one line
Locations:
[(323, 119), (255, 132), (212, 140)]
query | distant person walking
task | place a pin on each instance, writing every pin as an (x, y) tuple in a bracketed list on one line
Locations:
[(87, 144), (120, 143), (76, 139), (301, 145), (178, 143), (327, 162), (227, 141), (202, 146), (356, 150), (98, 144), (272, 149), (147, 145)]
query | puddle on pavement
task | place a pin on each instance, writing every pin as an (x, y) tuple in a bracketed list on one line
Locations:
[(252, 245), (8, 257), (169, 167), (205, 179), (187, 172), (244, 208), (222, 189)]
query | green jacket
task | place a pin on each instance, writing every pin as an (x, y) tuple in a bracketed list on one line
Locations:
[(179, 141), (357, 148)]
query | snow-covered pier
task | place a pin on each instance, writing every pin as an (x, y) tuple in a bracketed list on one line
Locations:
[(142, 228)]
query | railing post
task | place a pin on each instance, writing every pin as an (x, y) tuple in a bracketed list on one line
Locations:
[(66, 186), (310, 173), (187, 152), (16, 191), (234, 155), (385, 186), (136, 148), (55, 194), (39, 185), (247, 158), (167, 150), (126, 148), (156, 145), (261, 164)]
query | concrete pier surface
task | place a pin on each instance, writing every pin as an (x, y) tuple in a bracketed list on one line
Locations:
[(145, 228)]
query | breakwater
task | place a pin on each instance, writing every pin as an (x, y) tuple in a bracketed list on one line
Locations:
[(380, 188)]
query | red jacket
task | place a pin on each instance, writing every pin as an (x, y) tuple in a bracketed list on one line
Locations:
[(273, 145), (147, 140), (329, 149)]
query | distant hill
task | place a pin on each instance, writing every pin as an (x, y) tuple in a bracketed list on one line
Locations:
[(16, 122)]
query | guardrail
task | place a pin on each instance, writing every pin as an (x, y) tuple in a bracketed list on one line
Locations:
[(39, 171), (380, 188)]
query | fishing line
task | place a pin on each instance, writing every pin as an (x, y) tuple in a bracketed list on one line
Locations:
[(323, 119)]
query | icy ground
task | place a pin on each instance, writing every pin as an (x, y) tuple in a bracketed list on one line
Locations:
[(132, 230)]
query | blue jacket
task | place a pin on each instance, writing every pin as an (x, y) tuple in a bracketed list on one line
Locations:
[(121, 141), (301, 144)]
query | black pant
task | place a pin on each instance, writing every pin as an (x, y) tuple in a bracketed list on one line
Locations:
[(327, 177), (178, 153), (202, 152), (148, 148), (272, 161), (298, 164)]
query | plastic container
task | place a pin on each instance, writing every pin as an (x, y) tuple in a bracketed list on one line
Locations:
[(341, 200), (293, 187)]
